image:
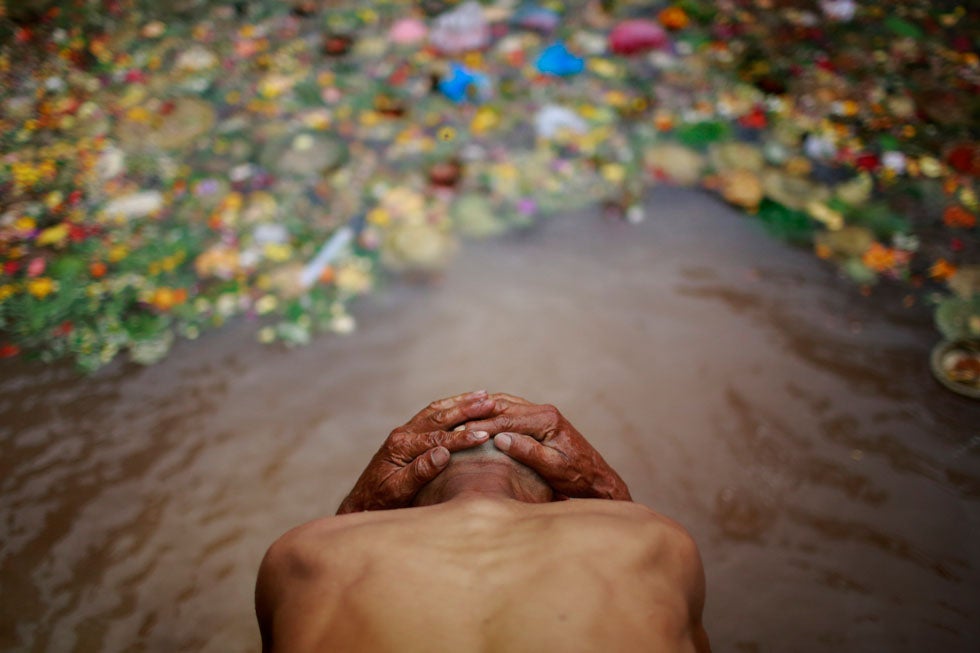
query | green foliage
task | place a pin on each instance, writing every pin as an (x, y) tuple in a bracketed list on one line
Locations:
[(700, 135), (785, 223), (880, 219)]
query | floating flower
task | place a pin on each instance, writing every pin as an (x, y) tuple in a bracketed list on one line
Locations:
[(36, 267), (41, 287), (942, 270), (163, 299), (879, 258), (53, 236), (958, 217), (673, 18)]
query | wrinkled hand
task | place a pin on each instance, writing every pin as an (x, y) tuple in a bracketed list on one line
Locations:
[(539, 436), (415, 453)]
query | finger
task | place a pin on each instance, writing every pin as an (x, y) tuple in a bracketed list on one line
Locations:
[(466, 396), (538, 421), (514, 399), (420, 471), (448, 402), (418, 443), (546, 461), (445, 419)]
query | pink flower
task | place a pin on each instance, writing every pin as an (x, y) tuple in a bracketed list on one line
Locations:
[(36, 267)]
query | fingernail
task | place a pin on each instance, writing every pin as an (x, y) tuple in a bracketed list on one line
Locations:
[(502, 441), (440, 456), (478, 393), (479, 435), (461, 427)]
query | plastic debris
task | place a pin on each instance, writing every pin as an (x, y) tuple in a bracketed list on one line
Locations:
[(460, 30), (637, 35), (557, 60)]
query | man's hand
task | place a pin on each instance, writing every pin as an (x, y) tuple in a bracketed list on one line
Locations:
[(415, 453), (540, 437)]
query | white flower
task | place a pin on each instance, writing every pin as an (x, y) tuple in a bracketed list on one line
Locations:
[(552, 119), (894, 161), (137, 205), (839, 10)]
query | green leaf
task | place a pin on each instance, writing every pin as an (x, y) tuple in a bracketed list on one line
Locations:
[(880, 219), (903, 27), (701, 134), (783, 222), (67, 268)]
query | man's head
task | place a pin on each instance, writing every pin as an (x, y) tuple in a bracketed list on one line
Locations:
[(487, 470)]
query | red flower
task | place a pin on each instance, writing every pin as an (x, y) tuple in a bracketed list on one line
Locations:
[(755, 119), (77, 233), (63, 329), (867, 161), (10, 267), (8, 350)]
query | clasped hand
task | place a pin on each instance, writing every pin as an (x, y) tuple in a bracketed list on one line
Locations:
[(537, 435)]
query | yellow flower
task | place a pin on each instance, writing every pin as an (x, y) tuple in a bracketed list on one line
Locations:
[(117, 253), (484, 120), (834, 220), (266, 304), (588, 111), (278, 252), (353, 279), (616, 98), (378, 216), (41, 287), (266, 335), (24, 224), (369, 118), (52, 235), (447, 134), (614, 173), (7, 290), (603, 67)]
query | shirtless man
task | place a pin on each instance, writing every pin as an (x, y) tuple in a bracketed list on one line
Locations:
[(451, 541)]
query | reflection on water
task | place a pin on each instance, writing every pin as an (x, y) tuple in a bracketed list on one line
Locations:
[(790, 424)]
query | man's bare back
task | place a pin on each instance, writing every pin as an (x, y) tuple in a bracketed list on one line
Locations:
[(484, 565)]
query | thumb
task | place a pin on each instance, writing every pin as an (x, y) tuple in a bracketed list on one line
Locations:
[(423, 469)]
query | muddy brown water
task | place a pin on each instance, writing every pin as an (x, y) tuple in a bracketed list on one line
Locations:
[(737, 384)]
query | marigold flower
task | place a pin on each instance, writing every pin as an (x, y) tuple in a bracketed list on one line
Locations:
[(956, 216), (879, 258), (164, 299), (942, 270), (673, 18), (41, 287), (97, 269)]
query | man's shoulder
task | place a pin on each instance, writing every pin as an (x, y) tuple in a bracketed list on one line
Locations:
[(320, 533), (617, 519)]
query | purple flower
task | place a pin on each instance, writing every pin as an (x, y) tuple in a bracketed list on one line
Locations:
[(206, 187), (527, 206)]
